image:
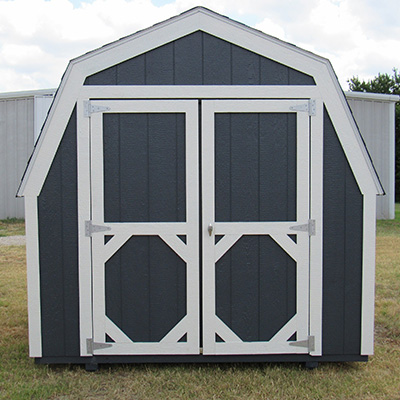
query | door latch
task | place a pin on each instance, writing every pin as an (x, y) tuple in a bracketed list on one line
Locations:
[(210, 229)]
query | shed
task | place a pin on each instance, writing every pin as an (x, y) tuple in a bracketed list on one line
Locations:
[(200, 192), (21, 118), (375, 116)]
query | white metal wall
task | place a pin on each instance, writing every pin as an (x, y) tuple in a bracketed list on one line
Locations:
[(375, 116), (16, 144), (21, 114)]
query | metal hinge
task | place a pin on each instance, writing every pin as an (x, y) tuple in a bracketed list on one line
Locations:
[(309, 227), (201, 350), (308, 343), (310, 107), (92, 346), (89, 108), (90, 228)]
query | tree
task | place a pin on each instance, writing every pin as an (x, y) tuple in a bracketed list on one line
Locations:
[(388, 84)]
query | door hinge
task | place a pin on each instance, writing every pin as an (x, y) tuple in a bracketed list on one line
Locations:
[(310, 107), (90, 228), (200, 350), (309, 227), (89, 108), (92, 346), (309, 343)]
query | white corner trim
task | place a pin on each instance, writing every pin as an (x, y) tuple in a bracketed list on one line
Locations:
[(33, 277), (84, 243), (368, 275)]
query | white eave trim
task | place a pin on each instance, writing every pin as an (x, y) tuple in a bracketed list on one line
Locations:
[(372, 96), (27, 93)]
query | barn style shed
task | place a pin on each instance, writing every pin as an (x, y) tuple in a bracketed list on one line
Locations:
[(200, 193)]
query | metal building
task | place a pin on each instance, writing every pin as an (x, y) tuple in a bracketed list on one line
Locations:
[(375, 116), (21, 118), (200, 192)]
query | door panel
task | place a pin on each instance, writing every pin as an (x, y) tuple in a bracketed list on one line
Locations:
[(255, 283), (255, 167), (255, 183), (145, 196), (144, 167)]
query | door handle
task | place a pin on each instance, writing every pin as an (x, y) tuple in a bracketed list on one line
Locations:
[(210, 229)]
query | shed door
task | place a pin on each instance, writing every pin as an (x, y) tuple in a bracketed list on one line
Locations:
[(145, 192), (255, 195), (146, 218)]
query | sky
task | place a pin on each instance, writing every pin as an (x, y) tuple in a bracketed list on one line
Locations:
[(38, 37)]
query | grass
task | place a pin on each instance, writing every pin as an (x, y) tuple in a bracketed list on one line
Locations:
[(20, 378), (389, 227), (12, 227)]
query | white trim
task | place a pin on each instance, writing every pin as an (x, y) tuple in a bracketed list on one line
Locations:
[(316, 213), (33, 277), (279, 231), (199, 92), (224, 245), (168, 232), (373, 96), (84, 243), (368, 276), (27, 93), (392, 161), (287, 245), (208, 217), (177, 245)]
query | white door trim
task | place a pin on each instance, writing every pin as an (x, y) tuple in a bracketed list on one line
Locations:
[(168, 232), (233, 230)]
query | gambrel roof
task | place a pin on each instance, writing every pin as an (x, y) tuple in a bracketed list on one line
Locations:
[(221, 27)]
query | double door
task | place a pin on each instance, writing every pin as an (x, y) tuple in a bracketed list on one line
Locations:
[(200, 228)]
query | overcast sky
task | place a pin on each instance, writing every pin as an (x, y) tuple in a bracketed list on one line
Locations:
[(39, 37)]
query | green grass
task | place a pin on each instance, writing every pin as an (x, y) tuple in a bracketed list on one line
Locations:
[(389, 227), (12, 227), (20, 378)]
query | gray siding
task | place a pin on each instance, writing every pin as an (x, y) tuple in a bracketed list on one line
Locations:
[(144, 176), (58, 249), (144, 168), (145, 288), (255, 180), (199, 59), (16, 144), (342, 250)]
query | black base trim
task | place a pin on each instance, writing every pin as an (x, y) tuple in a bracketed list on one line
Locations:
[(170, 359)]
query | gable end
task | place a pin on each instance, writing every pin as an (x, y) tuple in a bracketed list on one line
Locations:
[(199, 59)]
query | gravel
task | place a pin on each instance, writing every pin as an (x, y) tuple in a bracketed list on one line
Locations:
[(12, 241)]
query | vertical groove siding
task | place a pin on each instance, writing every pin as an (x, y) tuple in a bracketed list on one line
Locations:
[(342, 250), (58, 250), (376, 122), (255, 180), (203, 59), (199, 59), (144, 181), (16, 144)]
